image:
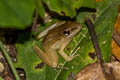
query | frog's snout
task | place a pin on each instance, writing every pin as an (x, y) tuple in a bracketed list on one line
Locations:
[(79, 26)]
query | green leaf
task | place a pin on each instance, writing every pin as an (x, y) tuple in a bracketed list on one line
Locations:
[(82, 15), (27, 58), (40, 8), (1, 78), (103, 26), (16, 14), (68, 7), (102, 5), (84, 3)]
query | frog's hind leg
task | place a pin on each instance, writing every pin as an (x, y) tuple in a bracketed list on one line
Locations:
[(39, 52), (50, 58)]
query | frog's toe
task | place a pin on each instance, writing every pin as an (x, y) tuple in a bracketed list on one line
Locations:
[(69, 58), (72, 57)]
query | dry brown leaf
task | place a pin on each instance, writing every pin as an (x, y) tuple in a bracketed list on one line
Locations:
[(115, 46), (115, 50), (94, 72)]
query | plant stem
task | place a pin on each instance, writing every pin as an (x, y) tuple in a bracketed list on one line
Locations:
[(9, 61), (94, 40), (96, 45)]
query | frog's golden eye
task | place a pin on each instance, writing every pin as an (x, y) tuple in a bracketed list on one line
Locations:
[(66, 33)]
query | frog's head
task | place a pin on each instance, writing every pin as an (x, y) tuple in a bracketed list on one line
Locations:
[(71, 29)]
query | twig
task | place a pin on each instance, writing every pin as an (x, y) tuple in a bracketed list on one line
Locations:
[(9, 61), (96, 44)]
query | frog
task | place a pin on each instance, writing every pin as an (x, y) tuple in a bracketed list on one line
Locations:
[(56, 39)]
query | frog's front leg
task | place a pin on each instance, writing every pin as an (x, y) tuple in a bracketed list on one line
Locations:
[(61, 50)]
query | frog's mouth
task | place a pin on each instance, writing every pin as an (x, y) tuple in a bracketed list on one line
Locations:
[(75, 30)]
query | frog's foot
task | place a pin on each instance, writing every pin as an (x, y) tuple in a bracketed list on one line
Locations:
[(70, 57), (58, 68), (66, 57), (61, 64), (73, 56)]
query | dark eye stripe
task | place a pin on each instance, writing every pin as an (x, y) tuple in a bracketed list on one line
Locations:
[(73, 29)]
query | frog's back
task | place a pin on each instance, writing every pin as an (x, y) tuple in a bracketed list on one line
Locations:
[(56, 35), (53, 36)]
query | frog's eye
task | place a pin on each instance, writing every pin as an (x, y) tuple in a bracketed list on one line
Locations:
[(66, 33)]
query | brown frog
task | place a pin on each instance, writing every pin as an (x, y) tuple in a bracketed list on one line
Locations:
[(57, 38)]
